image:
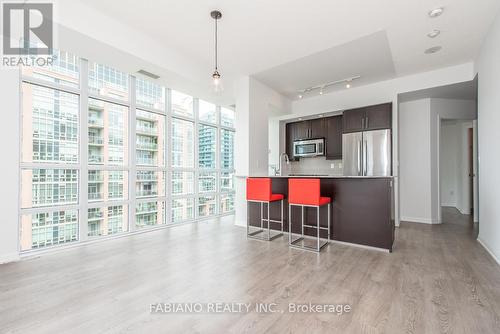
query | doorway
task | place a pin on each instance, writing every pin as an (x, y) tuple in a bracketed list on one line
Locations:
[(457, 165)]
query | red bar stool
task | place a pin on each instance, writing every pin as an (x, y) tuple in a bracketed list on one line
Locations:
[(259, 190), (306, 193)]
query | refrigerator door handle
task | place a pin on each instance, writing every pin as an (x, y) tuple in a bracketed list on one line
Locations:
[(365, 153), (359, 157)]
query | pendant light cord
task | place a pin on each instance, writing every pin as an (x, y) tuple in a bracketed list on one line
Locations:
[(216, 44)]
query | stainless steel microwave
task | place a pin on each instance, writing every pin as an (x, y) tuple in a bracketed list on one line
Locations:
[(309, 147)]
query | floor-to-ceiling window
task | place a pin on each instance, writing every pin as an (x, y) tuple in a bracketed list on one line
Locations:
[(104, 152)]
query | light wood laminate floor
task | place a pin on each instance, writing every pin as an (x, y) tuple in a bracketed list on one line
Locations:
[(437, 280)]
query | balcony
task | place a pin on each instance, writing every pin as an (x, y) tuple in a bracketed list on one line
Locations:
[(95, 140), (96, 122), (147, 130), (147, 146), (147, 193), (95, 216), (145, 161), (96, 158), (95, 196)]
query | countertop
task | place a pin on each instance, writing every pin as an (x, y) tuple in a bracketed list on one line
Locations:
[(317, 176)]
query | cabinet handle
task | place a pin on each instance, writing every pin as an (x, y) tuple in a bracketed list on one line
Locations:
[(362, 123), (367, 122)]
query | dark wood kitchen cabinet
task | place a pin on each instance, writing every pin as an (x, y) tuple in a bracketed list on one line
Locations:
[(353, 120), (290, 135), (302, 130), (368, 118), (333, 137), (316, 128)]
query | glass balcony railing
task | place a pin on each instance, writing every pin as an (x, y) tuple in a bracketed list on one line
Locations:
[(96, 158), (96, 140), (147, 146), (95, 196), (146, 193), (96, 121), (148, 130)]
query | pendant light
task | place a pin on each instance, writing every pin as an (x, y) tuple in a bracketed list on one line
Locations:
[(216, 77)]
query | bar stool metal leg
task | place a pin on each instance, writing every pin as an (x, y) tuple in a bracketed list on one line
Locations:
[(262, 215), (289, 224), (282, 219), (302, 217), (329, 222), (268, 221), (317, 227)]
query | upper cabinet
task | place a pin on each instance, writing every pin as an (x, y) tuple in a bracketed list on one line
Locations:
[(334, 138), (289, 133), (318, 128), (329, 128), (368, 118), (310, 129)]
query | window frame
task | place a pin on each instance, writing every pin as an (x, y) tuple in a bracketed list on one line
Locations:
[(130, 167)]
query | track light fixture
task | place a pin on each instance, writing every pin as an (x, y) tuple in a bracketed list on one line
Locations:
[(322, 87)]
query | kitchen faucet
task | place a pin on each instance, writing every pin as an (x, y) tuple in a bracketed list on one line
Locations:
[(279, 171)]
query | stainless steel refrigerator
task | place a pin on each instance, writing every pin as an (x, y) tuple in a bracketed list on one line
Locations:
[(367, 153)]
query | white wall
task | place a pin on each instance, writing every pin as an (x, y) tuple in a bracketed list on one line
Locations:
[(450, 148), (419, 156), (255, 105), (488, 68), (9, 168), (415, 161)]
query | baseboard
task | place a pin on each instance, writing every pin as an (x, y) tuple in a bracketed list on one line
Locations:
[(482, 243), (419, 220), (9, 258)]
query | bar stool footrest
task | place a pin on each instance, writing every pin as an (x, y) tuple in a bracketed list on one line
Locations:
[(293, 244), (262, 235)]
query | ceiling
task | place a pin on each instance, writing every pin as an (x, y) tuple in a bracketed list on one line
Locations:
[(369, 57), (460, 91), (291, 44)]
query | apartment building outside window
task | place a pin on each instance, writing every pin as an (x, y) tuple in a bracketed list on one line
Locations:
[(139, 156)]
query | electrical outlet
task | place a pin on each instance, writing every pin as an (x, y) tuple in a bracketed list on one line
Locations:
[(332, 166)]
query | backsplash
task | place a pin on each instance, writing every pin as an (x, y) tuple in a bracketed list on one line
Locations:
[(316, 165)]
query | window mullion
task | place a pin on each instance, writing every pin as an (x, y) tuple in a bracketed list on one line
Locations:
[(196, 143), (168, 161), (132, 156), (83, 156), (218, 160)]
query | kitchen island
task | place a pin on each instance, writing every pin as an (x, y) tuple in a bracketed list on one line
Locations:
[(361, 210)]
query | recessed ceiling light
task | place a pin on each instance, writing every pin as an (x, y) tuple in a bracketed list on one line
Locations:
[(300, 118), (348, 85), (436, 12), (432, 50), (300, 96), (320, 116), (434, 33)]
